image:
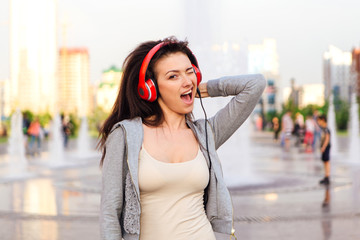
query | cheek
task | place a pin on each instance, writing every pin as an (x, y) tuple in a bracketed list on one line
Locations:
[(195, 80), (166, 91)]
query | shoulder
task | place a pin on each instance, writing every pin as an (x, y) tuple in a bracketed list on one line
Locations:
[(198, 127), (116, 135), (198, 124), (127, 123), (129, 129)]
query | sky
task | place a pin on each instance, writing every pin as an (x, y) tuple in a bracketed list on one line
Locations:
[(110, 29)]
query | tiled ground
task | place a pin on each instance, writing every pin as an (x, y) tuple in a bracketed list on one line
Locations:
[(282, 201)]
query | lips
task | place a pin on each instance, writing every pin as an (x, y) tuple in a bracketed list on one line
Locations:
[(187, 96)]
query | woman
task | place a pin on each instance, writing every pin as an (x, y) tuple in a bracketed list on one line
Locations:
[(162, 177)]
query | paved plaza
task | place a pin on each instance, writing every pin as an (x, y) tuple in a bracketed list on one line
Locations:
[(284, 202)]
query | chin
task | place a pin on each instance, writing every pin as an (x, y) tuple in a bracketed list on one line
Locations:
[(189, 109)]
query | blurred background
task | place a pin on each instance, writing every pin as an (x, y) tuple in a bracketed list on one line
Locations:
[(65, 57), (60, 71)]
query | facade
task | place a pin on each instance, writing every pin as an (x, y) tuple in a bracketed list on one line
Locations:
[(108, 88), (305, 94), (4, 105), (33, 55), (337, 77), (263, 58), (294, 94), (74, 96), (5, 109), (228, 58), (355, 70), (312, 94)]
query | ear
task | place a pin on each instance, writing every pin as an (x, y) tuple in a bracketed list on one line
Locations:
[(152, 88)]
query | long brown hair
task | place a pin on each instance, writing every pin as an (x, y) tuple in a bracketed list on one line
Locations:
[(128, 104)]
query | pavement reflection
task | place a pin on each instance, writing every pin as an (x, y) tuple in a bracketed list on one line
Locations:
[(326, 223), (288, 203)]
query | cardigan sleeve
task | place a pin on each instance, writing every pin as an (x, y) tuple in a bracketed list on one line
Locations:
[(247, 90), (112, 186)]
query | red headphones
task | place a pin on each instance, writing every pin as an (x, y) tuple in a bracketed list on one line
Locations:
[(147, 88)]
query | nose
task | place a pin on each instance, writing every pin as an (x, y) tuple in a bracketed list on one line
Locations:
[(188, 80)]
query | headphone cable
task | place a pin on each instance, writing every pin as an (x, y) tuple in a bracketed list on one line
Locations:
[(206, 138)]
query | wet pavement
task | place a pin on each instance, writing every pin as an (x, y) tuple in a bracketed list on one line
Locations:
[(61, 202)]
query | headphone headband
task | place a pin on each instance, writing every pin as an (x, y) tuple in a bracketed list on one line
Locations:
[(146, 88), (147, 60)]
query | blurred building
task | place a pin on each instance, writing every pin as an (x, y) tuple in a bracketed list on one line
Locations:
[(263, 58), (74, 91), (5, 109), (355, 70), (337, 77), (207, 32), (305, 94), (33, 55), (312, 94), (108, 88), (228, 58), (293, 94), (4, 105)]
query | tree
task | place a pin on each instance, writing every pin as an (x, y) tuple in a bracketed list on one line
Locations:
[(342, 109)]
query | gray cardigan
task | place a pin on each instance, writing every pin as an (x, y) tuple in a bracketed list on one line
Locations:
[(120, 198)]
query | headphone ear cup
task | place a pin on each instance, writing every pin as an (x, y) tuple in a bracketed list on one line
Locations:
[(151, 87), (197, 73)]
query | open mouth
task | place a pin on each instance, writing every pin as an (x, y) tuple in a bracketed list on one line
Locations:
[(187, 96)]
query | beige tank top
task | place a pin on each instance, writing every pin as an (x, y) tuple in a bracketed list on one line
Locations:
[(171, 198)]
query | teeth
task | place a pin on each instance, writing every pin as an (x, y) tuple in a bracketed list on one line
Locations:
[(187, 92)]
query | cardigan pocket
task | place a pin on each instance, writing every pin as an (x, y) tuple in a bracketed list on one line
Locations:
[(131, 208)]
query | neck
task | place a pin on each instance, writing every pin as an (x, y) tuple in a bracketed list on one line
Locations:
[(174, 121)]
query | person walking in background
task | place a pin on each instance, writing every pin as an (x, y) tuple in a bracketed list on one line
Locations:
[(34, 132), (287, 126), (66, 129), (325, 148), (26, 123), (25, 126), (299, 128), (276, 128), (317, 131), (259, 123), (309, 133)]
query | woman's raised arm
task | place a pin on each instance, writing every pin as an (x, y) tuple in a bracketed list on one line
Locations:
[(247, 90)]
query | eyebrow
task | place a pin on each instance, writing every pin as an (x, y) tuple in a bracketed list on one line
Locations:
[(176, 71)]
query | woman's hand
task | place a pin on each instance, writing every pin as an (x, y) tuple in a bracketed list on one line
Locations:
[(203, 90)]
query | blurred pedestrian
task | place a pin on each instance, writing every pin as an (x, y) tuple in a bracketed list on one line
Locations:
[(325, 148), (317, 131), (66, 127), (309, 133), (299, 128), (259, 123), (26, 123), (3, 131), (276, 128), (34, 132), (287, 127), (25, 126)]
